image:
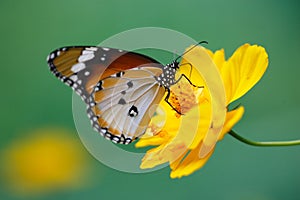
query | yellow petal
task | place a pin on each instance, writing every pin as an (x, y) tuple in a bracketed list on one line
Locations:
[(201, 60), (162, 154), (189, 164), (219, 58), (156, 134), (161, 138), (153, 158), (243, 70), (174, 143), (232, 118), (203, 120)]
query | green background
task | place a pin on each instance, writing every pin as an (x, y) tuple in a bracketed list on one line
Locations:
[(31, 97)]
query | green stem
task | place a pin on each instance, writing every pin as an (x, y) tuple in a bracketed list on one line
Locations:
[(263, 144)]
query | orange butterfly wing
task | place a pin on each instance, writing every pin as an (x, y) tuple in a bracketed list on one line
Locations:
[(81, 67)]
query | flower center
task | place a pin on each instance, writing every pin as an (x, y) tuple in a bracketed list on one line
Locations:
[(184, 97)]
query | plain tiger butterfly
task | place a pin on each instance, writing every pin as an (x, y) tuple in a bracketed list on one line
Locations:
[(121, 88)]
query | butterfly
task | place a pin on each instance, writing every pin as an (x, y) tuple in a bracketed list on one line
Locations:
[(120, 88)]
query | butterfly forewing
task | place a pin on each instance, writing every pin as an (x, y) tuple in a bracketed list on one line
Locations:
[(119, 87), (81, 67)]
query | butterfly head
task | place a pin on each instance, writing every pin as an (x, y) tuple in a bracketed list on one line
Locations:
[(174, 65)]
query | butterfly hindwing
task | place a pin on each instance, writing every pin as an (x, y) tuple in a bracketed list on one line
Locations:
[(122, 104)]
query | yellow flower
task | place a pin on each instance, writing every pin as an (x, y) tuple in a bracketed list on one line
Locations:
[(187, 141), (46, 160)]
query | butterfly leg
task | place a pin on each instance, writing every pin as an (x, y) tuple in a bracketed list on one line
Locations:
[(184, 76), (189, 64), (167, 100)]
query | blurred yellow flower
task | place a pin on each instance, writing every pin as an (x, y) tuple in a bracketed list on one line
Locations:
[(239, 74), (45, 160)]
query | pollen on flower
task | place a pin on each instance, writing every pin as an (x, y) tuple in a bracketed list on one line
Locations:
[(152, 130), (184, 97), (162, 133)]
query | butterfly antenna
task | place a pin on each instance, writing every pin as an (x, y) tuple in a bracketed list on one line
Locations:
[(201, 42)]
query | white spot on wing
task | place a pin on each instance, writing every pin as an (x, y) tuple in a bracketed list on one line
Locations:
[(132, 112), (78, 67), (127, 142), (102, 58), (103, 130), (86, 57), (52, 55), (92, 48), (86, 73), (74, 78), (105, 49), (87, 52)]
